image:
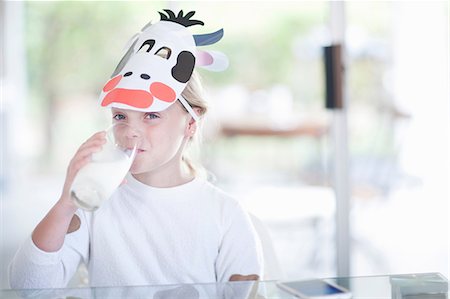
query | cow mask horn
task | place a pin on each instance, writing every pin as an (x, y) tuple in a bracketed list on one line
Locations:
[(158, 64)]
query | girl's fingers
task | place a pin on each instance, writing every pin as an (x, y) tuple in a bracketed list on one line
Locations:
[(82, 157), (80, 163), (98, 138), (87, 151), (92, 145), (100, 133), (72, 172)]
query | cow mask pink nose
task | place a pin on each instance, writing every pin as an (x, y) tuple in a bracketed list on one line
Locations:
[(135, 97)]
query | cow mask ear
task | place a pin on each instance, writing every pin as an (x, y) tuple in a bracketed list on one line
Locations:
[(182, 71), (211, 60)]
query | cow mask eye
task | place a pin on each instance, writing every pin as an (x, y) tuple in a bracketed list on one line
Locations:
[(147, 45), (164, 52)]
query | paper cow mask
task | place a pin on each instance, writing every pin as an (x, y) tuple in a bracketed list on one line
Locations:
[(159, 63)]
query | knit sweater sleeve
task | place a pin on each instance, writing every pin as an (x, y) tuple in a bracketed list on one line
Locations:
[(240, 250), (33, 268)]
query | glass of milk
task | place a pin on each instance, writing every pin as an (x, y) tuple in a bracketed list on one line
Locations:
[(98, 179)]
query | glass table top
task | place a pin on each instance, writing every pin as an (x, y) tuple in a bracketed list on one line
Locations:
[(407, 286)]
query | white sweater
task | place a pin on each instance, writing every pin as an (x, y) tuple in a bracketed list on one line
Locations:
[(144, 235)]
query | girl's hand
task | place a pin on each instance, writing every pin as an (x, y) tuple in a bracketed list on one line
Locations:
[(81, 158)]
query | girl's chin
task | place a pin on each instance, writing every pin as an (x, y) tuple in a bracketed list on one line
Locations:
[(135, 169)]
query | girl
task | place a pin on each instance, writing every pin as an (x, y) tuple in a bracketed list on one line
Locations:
[(166, 224)]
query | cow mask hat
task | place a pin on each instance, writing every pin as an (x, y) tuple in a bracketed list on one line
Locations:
[(159, 63)]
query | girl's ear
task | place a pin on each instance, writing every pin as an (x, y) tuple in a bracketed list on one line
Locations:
[(191, 128)]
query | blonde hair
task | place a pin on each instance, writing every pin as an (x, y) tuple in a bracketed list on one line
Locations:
[(194, 95)]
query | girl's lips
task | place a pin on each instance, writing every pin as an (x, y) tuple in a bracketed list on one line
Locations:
[(137, 151)]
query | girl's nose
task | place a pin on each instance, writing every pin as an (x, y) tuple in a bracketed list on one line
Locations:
[(133, 132), (132, 138)]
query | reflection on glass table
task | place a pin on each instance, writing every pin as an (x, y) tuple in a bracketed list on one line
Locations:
[(408, 286)]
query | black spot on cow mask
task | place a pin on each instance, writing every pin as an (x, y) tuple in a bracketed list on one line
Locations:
[(159, 63)]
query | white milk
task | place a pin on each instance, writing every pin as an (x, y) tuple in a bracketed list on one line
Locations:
[(97, 180)]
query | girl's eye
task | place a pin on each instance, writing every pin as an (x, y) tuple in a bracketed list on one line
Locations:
[(119, 117), (151, 116)]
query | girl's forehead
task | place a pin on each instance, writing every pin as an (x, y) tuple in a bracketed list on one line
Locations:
[(170, 110)]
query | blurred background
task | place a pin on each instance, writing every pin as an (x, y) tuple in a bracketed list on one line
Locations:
[(269, 139)]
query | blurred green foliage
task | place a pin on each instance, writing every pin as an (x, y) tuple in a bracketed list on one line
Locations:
[(73, 46)]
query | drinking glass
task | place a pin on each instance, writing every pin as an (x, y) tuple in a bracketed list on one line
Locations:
[(97, 180)]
